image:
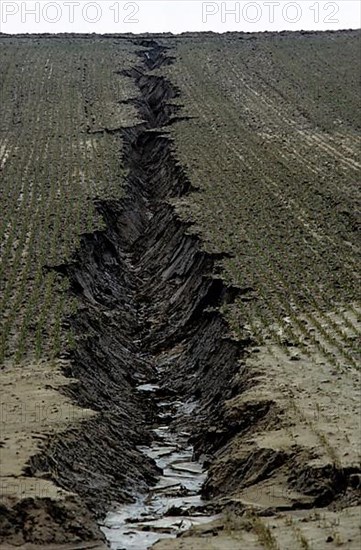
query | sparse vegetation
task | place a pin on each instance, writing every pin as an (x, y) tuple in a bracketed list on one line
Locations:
[(55, 161), (263, 532), (239, 197), (271, 182)]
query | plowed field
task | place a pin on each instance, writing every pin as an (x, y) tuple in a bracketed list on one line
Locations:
[(180, 255)]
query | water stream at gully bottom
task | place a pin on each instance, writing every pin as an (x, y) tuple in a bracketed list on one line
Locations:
[(171, 505)]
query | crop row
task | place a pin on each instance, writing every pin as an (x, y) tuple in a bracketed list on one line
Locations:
[(55, 158), (269, 181)]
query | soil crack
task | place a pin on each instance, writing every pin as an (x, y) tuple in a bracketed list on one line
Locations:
[(152, 350), (175, 290)]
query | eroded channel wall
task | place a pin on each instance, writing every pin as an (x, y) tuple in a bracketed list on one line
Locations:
[(148, 295)]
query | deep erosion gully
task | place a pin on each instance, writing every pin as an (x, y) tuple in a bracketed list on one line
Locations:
[(178, 334), (154, 358), (153, 354)]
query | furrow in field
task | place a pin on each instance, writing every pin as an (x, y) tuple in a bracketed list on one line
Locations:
[(325, 334), (259, 161)]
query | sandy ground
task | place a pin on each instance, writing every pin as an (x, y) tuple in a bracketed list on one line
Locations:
[(320, 434), (302, 530), (32, 410)]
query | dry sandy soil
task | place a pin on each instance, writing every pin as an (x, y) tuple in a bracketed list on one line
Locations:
[(181, 211)]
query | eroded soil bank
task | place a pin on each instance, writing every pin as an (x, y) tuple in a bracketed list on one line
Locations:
[(149, 319), (148, 314)]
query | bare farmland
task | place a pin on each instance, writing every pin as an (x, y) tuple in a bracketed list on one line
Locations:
[(182, 212)]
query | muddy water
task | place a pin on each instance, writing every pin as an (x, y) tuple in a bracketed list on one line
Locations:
[(174, 504)]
